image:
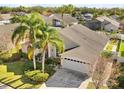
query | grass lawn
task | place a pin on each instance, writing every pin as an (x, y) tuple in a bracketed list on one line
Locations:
[(11, 74), (121, 49)]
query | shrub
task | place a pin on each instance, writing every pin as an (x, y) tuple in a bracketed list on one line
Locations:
[(53, 61), (30, 74), (28, 66), (49, 69), (8, 56), (121, 81), (36, 76), (40, 77), (23, 55), (106, 54)]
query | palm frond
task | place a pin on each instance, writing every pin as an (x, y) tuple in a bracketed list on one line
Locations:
[(18, 31), (30, 53), (58, 43)]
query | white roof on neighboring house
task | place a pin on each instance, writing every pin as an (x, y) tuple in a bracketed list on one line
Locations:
[(105, 18), (90, 43)]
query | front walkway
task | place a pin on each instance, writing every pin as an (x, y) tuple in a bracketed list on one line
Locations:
[(3, 86), (66, 78)]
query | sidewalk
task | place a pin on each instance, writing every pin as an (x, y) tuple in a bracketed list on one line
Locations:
[(3, 86)]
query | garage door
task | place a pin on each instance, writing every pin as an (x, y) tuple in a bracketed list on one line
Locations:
[(75, 64)]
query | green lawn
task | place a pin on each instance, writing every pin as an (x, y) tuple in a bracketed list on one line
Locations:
[(16, 67), (121, 49), (11, 74)]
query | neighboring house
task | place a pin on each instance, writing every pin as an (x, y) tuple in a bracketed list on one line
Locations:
[(6, 32), (93, 24), (108, 24), (19, 13), (82, 47), (115, 17), (56, 20), (87, 16), (5, 19), (5, 36)]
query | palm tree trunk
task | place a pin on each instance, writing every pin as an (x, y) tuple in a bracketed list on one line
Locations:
[(49, 50), (43, 61), (62, 16), (34, 61)]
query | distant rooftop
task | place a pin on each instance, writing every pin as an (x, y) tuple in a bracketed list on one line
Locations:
[(105, 18)]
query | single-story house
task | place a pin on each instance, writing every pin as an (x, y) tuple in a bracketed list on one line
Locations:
[(5, 19), (82, 47), (108, 24), (19, 13), (56, 20)]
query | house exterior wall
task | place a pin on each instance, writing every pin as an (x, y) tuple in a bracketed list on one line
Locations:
[(4, 22), (120, 59), (77, 66), (51, 51), (122, 37), (110, 27)]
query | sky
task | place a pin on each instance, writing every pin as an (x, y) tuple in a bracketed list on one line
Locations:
[(78, 3)]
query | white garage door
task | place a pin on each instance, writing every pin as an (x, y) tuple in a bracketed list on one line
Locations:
[(75, 64)]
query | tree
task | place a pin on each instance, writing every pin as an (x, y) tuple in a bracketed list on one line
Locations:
[(29, 28), (62, 10), (66, 9), (70, 9), (100, 72), (49, 37)]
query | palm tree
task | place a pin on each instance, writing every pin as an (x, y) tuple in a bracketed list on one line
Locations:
[(29, 26), (70, 9), (62, 10), (50, 37), (66, 9)]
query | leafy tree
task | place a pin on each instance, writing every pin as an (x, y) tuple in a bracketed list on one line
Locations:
[(49, 37), (29, 27)]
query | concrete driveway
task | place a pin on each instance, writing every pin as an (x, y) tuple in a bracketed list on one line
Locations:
[(66, 78)]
